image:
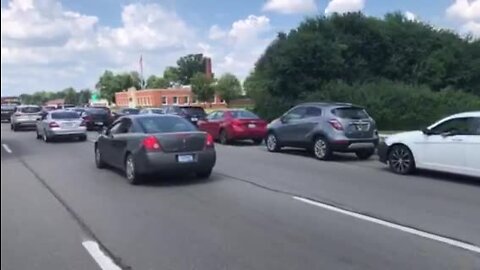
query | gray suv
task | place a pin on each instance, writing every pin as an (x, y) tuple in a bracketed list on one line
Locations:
[(325, 128)]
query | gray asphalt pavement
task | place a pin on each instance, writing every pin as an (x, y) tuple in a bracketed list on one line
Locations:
[(244, 217)]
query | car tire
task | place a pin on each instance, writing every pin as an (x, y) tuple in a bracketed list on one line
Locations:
[(223, 137), (272, 143), (204, 174), (38, 135), (14, 128), (98, 159), (321, 149), (131, 173), (365, 154), (401, 159), (257, 141)]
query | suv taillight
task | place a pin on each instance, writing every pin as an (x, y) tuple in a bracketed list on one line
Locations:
[(335, 124), (53, 125), (151, 143)]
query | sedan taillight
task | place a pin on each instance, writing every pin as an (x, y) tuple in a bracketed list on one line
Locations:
[(151, 143), (53, 125)]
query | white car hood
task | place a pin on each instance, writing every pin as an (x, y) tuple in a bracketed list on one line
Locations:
[(403, 136)]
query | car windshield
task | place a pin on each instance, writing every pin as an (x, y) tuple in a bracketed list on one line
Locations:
[(65, 115), (199, 111), (351, 113), (8, 107), (243, 115), (30, 109), (165, 124), (130, 111)]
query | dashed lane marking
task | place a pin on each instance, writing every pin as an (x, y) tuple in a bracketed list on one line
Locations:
[(5, 146), (105, 262)]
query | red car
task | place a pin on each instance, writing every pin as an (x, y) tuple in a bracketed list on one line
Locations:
[(230, 125)]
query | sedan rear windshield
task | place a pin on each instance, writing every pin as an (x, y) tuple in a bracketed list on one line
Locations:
[(243, 115), (199, 111), (130, 111), (96, 111), (157, 111), (29, 109), (350, 113), (165, 124), (65, 115)]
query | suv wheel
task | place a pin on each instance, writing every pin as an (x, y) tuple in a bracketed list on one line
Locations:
[(365, 154), (400, 160), (272, 143), (321, 149)]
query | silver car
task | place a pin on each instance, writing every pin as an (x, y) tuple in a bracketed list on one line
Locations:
[(61, 123), (25, 116), (325, 128)]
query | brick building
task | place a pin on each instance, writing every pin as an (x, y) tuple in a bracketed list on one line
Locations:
[(160, 97), (170, 96)]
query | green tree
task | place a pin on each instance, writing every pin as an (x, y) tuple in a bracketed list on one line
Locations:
[(202, 87), (157, 82), (171, 75), (188, 66), (228, 87), (84, 96), (70, 96)]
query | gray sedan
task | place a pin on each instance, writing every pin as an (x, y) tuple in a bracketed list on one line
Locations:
[(61, 123), (149, 144)]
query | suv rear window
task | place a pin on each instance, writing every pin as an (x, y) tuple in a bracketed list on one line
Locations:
[(243, 115), (131, 111), (350, 113), (65, 115), (199, 111), (29, 109), (165, 124)]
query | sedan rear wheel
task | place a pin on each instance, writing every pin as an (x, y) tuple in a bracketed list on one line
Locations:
[(131, 173), (272, 143), (223, 137), (400, 160)]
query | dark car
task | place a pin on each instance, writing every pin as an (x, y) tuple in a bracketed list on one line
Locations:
[(125, 111), (96, 118), (148, 144), (191, 113), (236, 124), (325, 128), (7, 111)]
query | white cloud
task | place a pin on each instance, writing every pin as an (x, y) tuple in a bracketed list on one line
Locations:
[(290, 6), (244, 30), (344, 6), (464, 10), (410, 16), (472, 28), (216, 33)]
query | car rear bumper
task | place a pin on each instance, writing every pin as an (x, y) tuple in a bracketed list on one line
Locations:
[(6, 116), (25, 123), (68, 132), (382, 151), (150, 163), (354, 145)]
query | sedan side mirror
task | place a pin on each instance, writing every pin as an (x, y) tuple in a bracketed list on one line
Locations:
[(283, 119), (427, 131), (103, 130)]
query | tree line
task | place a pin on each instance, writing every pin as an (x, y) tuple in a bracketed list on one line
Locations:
[(70, 95), (406, 73)]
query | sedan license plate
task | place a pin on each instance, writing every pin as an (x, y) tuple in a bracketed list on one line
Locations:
[(98, 123), (252, 126), (185, 158)]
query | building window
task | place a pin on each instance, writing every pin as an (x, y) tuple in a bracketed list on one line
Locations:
[(185, 100), (175, 100), (164, 101)]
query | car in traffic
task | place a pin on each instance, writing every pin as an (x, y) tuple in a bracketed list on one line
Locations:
[(124, 111), (96, 118), (7, 111), (191, 113), (61, 124), (152, 111), (234, 124), (25, 116), (147, 144), (449, 145), (325, 128)]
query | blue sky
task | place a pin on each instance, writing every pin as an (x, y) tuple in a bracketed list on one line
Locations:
[(54, 44)]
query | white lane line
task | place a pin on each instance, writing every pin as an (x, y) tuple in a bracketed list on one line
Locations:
[(105, 262), (413, 231), (5, 146)]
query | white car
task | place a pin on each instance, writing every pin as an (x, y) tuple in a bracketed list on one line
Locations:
[(450, 145)]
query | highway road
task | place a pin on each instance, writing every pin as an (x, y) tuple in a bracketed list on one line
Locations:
[(259, 210)]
